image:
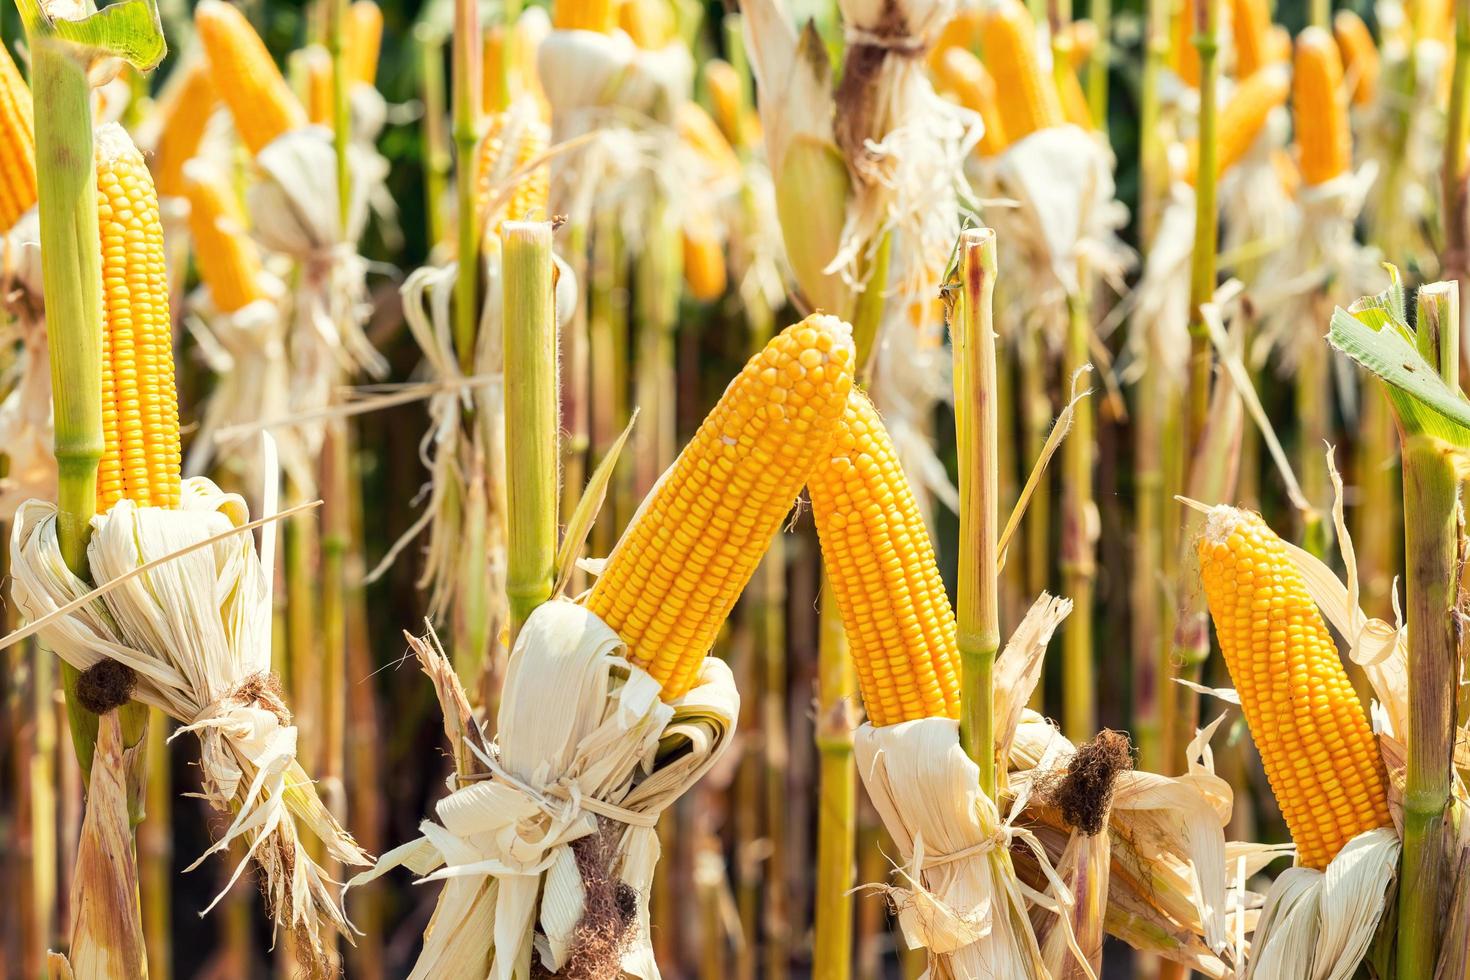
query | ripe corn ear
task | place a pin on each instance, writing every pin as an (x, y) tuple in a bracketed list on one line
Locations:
[(1359, 55), (1078, 39), (510, 142), (723, 83), (600, 16), (1242, 118), (17, 144), (248, 81), (700, 132), (314, 65), (1027, 93), (704, 260), (183, 112), (650, 23), (140, 409), (962, 75), (1319, 112), (960, 32), (879, 559), (228, 259), (364, 40), (697, 539), (1319, 752), (1183, 55), (1252, 33)]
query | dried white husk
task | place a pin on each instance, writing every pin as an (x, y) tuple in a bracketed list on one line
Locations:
[(585, 73), (25, 411), (1160, 300), (197, 631), (607, 762)]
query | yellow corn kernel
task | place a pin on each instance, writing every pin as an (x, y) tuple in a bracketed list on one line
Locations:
[(700, 132), (1252, 32), (1319, 753), (880, 563), (650, 23), (1027, 94), (312, 69), (140, 408), (584, 15), (1183, 55), (17, 144), (364, 40), (704, 260), (512, 140), (228, 259), (962, 75), (1359, 55), (679, 568), (183, 110), (1319, 111), (1242, 119), (259, 100)]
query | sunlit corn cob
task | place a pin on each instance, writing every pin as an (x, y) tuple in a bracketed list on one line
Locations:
[(183, 112), (962, 32), (248, 81), (880, 562), (1313, 736), (1027, 93), (1252, 33), (1069, 88), (704, 260), (725, 98), (1278, 45), (364, 39), (1319, 112), (1359, 55), (700, 132), (696, 541), (312, 69), (496, 78), (585, 15), (650, 23), (961, 74), (1078, 39), (1183, 55), (228, 259), (17, 144), (510, 142), (1242, 118), (140, 413)]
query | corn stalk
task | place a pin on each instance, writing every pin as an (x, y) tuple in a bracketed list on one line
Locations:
[(429, 45)]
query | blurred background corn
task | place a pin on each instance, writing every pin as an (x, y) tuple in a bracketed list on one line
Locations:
[(1319, 108), (964, 77), (17, 144), (512, 140), (252, 87), (879, 559), (1319, 753), (183, 112), (312, 68), (675, 575), (364, 41), (1243, 118), (1251, 30), (1027, 94), (140, 408), (600, 16), (227, 257), (1359, 55)]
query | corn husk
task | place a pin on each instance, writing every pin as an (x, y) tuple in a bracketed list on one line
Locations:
[(599, 771), (25, 410), (196, 628)]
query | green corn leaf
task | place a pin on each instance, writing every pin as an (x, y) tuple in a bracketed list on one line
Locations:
[(129, 29)]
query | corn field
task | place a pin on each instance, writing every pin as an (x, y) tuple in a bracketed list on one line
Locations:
[(782, 489)]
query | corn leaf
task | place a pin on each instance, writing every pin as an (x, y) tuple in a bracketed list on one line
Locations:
[(585, 514), (129, 29)]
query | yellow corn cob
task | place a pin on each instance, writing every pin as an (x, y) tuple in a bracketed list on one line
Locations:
[(704, 260), (228, 259), (315, 76), (511, 141), (183, 111), (140, 409), (961, 74), (696, 541), (880, 561), (364, 39), (17, 144), (700, 132), (1319, 113), (962, 31), (584, 15), (248, 81), (723, 83), (1252, 30), (1287, 172), (1319, 753), (650, 23), (1241, 120), (1359, 55), (1027, 93), (1069, 87), (497, 78), (1183, 55), (1278, 45), (1078, 39)]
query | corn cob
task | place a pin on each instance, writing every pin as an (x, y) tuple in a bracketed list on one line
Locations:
[(1319, 753), (723, 83), (650, 23), (600, 16), (312, 69), (248, 81), (700, 132), (497, 83), (704, 260), (1319, 113), (1078, 39), (1028, 95), (1252, 32), (364, 40), (880, 561), (1359, 55), (1278, 45), (1183, 55), (140, 413), (228, 259), (696, 541), (510, 142), (962, 75), (1069, 87), (1242, 119), (183, 112), (961, 32), (18, 158)]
